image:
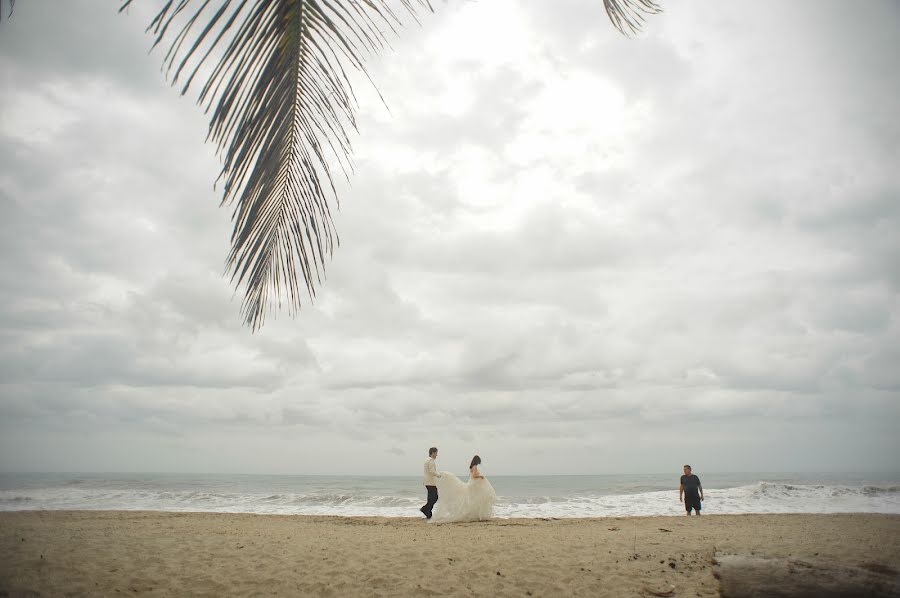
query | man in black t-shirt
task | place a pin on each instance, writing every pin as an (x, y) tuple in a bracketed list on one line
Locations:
[(690, 492)]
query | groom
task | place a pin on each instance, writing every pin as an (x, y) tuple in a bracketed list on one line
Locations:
[(431, 476)]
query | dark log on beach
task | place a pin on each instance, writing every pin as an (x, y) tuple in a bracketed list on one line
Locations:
[(750, 576)]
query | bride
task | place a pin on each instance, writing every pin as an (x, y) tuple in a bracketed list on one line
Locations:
[(464, 501)]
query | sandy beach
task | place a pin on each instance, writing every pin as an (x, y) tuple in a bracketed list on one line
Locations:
[(55, 553)]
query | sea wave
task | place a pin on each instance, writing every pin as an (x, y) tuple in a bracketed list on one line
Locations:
[(15, 499), (760, 497)]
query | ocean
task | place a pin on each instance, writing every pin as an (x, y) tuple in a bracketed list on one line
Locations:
[(518, 496)]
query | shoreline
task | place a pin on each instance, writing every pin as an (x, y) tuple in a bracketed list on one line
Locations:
[(96, 552), (417, 517), (678, 515)]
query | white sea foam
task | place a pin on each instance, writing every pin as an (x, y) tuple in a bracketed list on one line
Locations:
[(762, 497), (517, 497)]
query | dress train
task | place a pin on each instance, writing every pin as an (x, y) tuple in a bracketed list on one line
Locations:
[(463, 501)]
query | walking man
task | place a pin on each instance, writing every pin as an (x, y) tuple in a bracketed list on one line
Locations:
[(431, 476), (690, 492)]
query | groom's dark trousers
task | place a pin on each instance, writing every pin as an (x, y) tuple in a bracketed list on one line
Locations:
[(432, 498)]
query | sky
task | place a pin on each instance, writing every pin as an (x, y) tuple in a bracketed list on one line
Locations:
[(562, 249)]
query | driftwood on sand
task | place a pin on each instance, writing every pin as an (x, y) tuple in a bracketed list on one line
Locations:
[(742, 576)]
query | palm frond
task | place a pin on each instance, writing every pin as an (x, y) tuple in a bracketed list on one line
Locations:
[(628, 16), (12, 5), (282, 101)]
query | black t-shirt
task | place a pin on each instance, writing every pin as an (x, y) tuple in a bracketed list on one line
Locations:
[(691, 485)]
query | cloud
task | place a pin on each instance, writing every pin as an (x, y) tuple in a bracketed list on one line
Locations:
[(558, 243)]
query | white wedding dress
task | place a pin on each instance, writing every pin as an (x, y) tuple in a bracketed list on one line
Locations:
[(463, 501)]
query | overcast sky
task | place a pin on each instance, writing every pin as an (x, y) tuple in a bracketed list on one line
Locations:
[(568, 251)]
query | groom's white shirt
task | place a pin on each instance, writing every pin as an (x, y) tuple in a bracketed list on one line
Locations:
[(431, 473)]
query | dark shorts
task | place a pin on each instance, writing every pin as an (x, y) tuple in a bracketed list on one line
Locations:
[(691, 502)]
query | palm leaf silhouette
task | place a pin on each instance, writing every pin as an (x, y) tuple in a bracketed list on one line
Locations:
[(282, 102), (12, 5), (628, 15)]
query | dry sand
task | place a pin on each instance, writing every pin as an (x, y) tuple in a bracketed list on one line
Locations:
[(104, 553)]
